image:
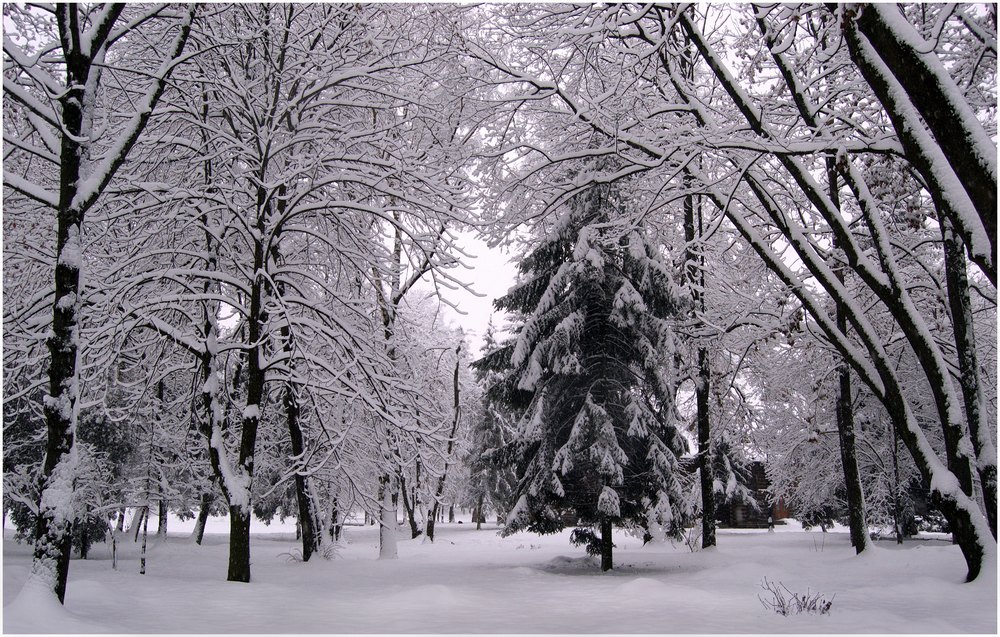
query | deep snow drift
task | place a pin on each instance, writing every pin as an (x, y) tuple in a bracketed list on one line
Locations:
[(475, 581)]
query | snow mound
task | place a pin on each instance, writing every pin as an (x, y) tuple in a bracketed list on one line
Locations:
[(36, 610), (642, 586), (523, 570)]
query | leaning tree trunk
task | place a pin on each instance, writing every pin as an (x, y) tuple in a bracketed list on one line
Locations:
[(966, 144), (968, 364), (199, 526)]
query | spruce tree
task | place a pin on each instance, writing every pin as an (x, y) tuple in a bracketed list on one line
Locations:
[(590, 375)]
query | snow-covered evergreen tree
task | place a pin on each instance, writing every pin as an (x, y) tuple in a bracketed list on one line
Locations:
[(593, 358)]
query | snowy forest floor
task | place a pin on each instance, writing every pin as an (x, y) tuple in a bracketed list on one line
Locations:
[(477, 582)]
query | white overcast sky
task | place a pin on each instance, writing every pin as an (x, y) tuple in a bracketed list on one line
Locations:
[(490, 274)]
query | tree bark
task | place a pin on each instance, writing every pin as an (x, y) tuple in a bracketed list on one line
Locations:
[(695, 274), (161, 522), (607, 546), (335, 526), (857, 519), (408, 509), (239, 544), (311, 537), (387, 530), (203, 512), (84, 539), (145, 535), (968, 364), (439, 492)]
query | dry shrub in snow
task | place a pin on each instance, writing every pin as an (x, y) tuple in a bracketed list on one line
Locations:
[(784, 602)]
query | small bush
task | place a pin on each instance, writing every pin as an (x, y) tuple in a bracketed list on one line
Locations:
[(784, 602)]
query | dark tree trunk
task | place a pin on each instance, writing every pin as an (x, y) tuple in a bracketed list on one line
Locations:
[(451, 442), (145, 535), (239, 544), (161, 526), (239, 512), (857, 520), (311, 538), (479, 512), (848, 453), (137, 520), (431, 521), (53, 531), (451, 513), (965, 344), (308, 516), (410, 514), (120, 524), (695, 275), (705, 452), (84, 539), (606, 545), (335, 526), (203, 512)]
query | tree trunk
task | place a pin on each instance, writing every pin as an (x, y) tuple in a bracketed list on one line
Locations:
[(311, 537), (695, 274), (844, 405), (705, 452), (968, 363), (161, 525), (53, 524), (84, 539), (387, 530), (848, 456), (120, 523), (432, 520), (606, 545), (137, 519), (451, 513), (451, 442), (335, 526), (203, 512), (308, 516), (145, 535), (410, 513), (857, 520), (900, 96), (479, 512), (239, 544)]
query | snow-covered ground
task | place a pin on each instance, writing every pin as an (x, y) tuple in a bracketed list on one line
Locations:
[(477, 582)]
